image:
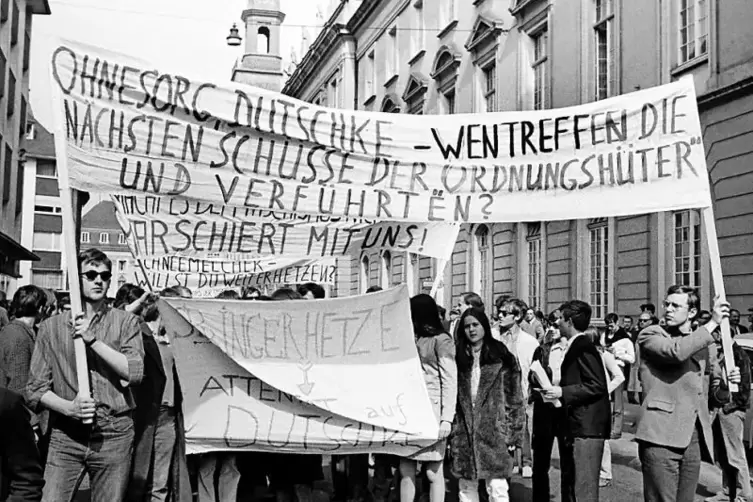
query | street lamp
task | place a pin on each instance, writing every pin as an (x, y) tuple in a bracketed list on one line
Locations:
[(234, 39)]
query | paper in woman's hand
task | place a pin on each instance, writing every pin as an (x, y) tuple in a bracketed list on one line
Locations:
[(540, 374)]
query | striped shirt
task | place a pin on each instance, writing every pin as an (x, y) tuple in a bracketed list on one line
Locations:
[(53, 365), (16, 347)]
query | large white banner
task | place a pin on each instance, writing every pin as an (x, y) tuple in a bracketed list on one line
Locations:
[(162, 226), (228, 408), (132, 128), (354, 357)]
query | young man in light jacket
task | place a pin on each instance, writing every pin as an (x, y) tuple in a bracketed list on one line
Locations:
[(511, 313)]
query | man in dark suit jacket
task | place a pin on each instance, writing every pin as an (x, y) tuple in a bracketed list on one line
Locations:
[(674, 425), (583, 391), (20, 467)]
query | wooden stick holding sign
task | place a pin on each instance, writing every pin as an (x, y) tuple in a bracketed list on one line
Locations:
[(69, 242), (716, 276)]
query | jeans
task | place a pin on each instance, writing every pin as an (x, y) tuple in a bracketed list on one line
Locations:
[(542, 442), (227, 487), (496, 488), (670, 474), (730, 452), (526, 449), (103, 450), (582, 481), (164, 446)]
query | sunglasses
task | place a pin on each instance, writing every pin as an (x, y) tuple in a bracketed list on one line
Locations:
[(504, 313), (91, 275)]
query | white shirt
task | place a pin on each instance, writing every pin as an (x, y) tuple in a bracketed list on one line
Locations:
[(556, 355), (613, 371), (475, 374), (523, 345)]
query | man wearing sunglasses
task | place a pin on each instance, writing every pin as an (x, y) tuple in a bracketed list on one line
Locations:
[(115, 355)]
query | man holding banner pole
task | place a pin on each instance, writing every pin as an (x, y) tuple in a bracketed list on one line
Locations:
[(95, 434)]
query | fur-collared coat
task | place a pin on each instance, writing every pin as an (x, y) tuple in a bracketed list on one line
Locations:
[(484, 429)]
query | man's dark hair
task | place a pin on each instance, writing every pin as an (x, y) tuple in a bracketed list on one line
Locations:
[(628, 317), (248, 291), (228, 294), (442, 312), (286, 294), (94, 257), (473, 299), (649, 307), (501, 299), (315, 289), (127, 294), (579, 312), (611, 317), (29, 301), (694, 302), (733, 310), (171, 292), (374, 289)]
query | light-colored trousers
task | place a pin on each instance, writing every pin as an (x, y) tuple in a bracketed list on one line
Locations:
[(498, 490), (227, 486)]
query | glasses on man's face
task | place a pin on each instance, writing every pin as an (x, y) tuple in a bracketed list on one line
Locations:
[(644, 320), (91, 275), (504, 313)]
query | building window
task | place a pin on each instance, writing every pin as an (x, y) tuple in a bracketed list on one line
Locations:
[(8, 163), (417, 27), (27, 50), (598, 269), (386, 269), (3, 71), (15, 20), (48, 209), (46, 168), (31, 132), (449, 102), (605, 55), (392, 52), (122, 265), (693, 29), (364, 273), (104, 238), (85, 237), (481, 263), (490, 87), (46, 241), (4, 10), (415, 95), (50, 279), (122, 238), (448, 12), (533, 250), (11, 94), (687, 248), (334, 96), (262, 40), (540, 41), (412, 273), (370, 74)]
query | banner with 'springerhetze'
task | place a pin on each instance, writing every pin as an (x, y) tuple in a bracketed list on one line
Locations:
[(135, 129), (320, 375)]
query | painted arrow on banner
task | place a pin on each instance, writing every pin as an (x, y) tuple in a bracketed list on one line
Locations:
[(306, 386)]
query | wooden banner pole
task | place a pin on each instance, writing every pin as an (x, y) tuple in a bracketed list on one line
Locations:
[(716, 276), (69, 240)]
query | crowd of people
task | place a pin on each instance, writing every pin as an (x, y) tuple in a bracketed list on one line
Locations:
[(504, 385)]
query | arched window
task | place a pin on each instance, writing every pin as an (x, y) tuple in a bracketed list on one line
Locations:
[(364, 273), (481, 263), (262, 40), (386, 270)]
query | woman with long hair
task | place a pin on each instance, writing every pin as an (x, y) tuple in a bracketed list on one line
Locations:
[(489, 421), (615, 378), (436, 351)]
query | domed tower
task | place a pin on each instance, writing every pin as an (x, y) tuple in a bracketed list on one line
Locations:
[(261, 64)]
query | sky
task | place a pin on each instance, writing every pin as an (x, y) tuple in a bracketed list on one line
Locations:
[(187, 36)]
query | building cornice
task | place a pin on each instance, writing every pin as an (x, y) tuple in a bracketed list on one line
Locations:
[(725, 93)]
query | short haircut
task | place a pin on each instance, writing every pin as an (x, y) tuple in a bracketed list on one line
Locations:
[(611, 317), (628, 317), (29, 301), (579, 312), (228, 294), (374, 289), (704, 313), (694, 302), (734, 310), (473, 299), (552, 317), (501, 299), (95, 257), (315, 289), (519, 307), (171, 292), (286, 294), (650, 307)]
